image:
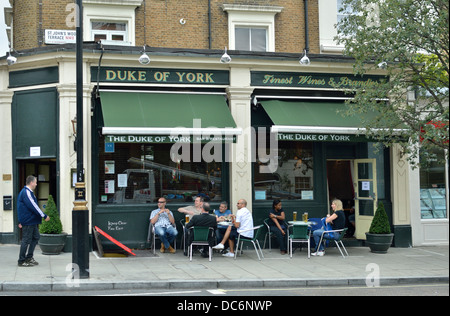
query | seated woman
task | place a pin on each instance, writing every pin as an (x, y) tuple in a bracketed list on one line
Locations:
[(277, 225), (337, 221)]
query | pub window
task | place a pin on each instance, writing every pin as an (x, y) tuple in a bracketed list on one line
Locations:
[(110, 31), (131, 173), (433, 202), (293, 177)]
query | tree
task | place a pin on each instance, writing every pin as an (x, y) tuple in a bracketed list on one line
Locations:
[(408, 40)]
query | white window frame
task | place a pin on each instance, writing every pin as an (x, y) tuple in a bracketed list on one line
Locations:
[(328, 17), (114, 11), (110, 33), (251, 16)]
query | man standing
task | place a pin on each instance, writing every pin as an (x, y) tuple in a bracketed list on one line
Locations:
[(30, 216), (242, 224), (163, 221)]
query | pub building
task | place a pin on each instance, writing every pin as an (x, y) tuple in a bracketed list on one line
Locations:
[(259, 128)]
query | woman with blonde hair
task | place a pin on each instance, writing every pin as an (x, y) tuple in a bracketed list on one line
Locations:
[(337, 221)]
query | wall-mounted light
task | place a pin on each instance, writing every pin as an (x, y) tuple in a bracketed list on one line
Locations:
[(11, 60), (304, 61), (225, 59), (144, 59)]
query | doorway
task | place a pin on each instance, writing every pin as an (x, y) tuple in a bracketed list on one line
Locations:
[(354, 182), (45, 172), (340, 186)]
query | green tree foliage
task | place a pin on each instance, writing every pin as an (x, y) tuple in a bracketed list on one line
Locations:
[(408, 41), (54, 225)]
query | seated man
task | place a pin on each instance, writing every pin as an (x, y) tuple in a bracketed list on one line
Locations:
[(241, 222), (163, 221), (222, 214), (204, 219)]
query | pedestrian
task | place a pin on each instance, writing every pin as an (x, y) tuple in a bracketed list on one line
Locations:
[(163, 220), (30, 216)]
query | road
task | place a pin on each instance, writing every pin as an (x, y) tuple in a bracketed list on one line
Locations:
[(267, 293)]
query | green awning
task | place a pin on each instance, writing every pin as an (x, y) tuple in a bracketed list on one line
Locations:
[(141, 113), (311, 117)]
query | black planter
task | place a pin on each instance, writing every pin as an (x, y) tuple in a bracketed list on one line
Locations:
[(52, 244), (379, 243)]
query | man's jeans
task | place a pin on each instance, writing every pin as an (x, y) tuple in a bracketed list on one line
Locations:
[(30, 238), (167, 234)]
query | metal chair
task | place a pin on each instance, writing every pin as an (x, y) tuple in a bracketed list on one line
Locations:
[(151, 232), (253, 240), (200, 238), (301, 234), (337, 241), (270, 234)]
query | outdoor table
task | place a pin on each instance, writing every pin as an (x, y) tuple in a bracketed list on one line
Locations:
[(225, 223), (301, 223)]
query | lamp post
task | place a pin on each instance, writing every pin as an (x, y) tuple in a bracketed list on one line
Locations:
[(80, 213)]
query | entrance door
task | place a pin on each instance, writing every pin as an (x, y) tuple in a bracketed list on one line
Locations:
[(365, 183), (45, 171)]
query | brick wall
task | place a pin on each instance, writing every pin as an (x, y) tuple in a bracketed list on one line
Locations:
[(163, 28)]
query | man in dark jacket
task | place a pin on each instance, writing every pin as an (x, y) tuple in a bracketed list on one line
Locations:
[(30, 216), (203, 219)]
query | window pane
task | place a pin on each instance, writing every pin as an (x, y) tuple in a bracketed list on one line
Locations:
[(432, 186), (109, 26), (259, 39), (140, 173), (294, 177), (242, 36), (98, 37), (117, 37)]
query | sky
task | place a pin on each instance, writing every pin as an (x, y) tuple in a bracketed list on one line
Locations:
[(3, 38)]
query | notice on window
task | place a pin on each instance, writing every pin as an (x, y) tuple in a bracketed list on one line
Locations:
[(109, 186), (365, 186), (122, 180), (109, 167)]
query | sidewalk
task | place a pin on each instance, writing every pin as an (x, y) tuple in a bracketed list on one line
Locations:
[(175, 271)]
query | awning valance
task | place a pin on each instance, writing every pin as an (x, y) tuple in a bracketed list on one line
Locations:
[(320, 121), (141, 113)]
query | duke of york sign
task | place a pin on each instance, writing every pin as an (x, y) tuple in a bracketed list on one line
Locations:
[(161, 76)]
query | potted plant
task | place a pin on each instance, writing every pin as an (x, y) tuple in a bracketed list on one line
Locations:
[(379, 237), (52, 239)]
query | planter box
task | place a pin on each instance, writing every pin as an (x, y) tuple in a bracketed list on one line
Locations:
[(52, 244), (379, 243)]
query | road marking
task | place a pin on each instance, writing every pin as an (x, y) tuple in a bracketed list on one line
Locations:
[(217, 292)]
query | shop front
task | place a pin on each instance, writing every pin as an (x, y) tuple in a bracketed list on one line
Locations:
[(322, 154), (158, 141)]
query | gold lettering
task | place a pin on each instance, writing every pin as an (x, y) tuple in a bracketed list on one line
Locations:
[(110, 75)]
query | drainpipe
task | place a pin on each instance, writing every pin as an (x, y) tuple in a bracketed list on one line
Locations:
[(209, 24), (306, 27)]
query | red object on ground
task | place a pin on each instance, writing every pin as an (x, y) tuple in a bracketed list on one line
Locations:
[(118, 243)]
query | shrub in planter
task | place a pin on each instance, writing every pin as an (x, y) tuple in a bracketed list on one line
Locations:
[(379, 237), (52, 239)]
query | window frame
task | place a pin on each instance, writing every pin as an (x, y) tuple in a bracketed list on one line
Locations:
[(251, 16)]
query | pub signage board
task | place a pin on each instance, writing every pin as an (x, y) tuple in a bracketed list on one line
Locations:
[(313, 80), (161, 76)]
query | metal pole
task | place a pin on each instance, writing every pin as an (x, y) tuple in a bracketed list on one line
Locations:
[(80, 213)]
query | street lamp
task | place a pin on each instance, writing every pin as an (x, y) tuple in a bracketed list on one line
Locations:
[(80, 213)]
